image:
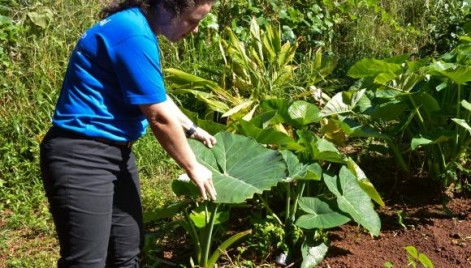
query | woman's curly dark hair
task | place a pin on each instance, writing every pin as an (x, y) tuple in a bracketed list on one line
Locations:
[(173, 6)]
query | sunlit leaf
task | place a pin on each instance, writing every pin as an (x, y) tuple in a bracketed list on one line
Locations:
[(303, 113), (462, 123), (319, 214), (372, 68), (459, 74), (353, 200), (241, 167), (313, 253), (466, 105), (200, 217), (41, 19), (243, 105), (364, 182), (324, 150), (342, 102)]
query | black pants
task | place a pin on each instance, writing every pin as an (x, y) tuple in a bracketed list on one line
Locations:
[(94, 198)]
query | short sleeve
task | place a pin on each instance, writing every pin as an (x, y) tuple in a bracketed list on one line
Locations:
[(137, 65)]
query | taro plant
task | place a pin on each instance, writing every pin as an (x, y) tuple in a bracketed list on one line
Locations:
[(421, 103), (241, 169), (323, 189)]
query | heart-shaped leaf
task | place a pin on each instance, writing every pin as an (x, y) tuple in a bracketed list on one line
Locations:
[(353, 200), (319, 214), (241, 167)]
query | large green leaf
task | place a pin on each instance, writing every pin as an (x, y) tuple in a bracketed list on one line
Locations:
[(296, 113), (241, 167), (200, 217), (388, 111), (429, 139), (373, 68), (319, 214), (342, 102), (317, 148), (426, 101), (459, 74), (353, 200), (364, 182), (303, 113), (356, 129), (264, 119), (313, 253), (462, 123), (325, 150)]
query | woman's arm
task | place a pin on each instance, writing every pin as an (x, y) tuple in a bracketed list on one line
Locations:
[(167, 128), (199, 133)]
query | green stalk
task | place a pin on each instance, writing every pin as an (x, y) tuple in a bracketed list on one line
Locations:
[(441, 155), (209, 234), (288, 202), (302, 186), (421, 119), (398, 155), (267, 207), (458, 99), (457, 127), (231, 240), (193, 234)]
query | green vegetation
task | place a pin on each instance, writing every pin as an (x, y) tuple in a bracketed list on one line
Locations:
[(303, 80), (414, 258)]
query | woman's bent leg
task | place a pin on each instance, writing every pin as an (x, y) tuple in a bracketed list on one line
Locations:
[(79, 176), (127, 233)]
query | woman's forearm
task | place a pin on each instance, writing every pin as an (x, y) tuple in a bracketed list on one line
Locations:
[(185, 122)]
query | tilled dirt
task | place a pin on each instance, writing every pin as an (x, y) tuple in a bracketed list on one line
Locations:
[(419, 220)]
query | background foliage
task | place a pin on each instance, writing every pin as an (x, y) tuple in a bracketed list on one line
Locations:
[(36, 38)]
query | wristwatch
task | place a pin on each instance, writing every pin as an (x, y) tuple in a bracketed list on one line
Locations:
[(191, 131)]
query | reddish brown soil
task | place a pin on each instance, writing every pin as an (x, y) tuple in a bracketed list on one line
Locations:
[(445, 237)]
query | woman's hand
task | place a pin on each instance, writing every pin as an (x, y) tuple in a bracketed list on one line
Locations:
[(204, 137), (203, 178)]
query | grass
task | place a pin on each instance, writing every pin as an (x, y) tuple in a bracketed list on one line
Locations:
[(28, 90)]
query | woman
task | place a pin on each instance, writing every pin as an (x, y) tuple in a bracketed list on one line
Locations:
[(112, 90)]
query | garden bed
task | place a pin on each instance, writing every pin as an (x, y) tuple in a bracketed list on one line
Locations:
[(414, 216)]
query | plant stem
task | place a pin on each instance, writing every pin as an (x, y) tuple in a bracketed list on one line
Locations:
[(193, 234), (265, 204), (209, 234), (419, 115), (301, 186), (288, 201)]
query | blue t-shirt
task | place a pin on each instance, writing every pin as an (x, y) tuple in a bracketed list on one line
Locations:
[(114, 67)]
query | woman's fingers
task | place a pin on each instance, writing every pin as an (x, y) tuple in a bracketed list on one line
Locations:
[(206, 138), (202, 177)]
